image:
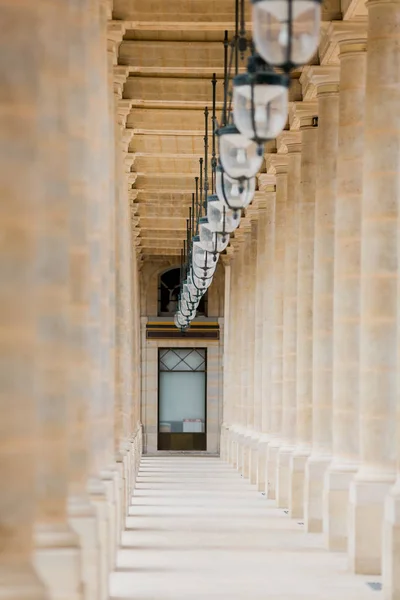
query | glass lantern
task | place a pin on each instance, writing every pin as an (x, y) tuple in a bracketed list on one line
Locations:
[(286, 32), (180, 321), (211, 242), (220, 218), (235, 193), (240, 157), (203, 272), (260, 104), (204, 260), (194, 288), (201, 283)]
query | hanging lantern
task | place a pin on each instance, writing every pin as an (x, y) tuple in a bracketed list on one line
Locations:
[(286, 32), (186, 308), (192, 300), (180, 321), (201, 283), (202, 274), (201, 257), (240, 157), (235, 193), (211, 242), (220, 218), (260, 101), (195, 285)]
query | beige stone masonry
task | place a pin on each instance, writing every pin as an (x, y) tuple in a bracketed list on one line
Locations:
[(379, 301), (292, 145), (304, 325), (346, 317), (278, 167), (325, 84)]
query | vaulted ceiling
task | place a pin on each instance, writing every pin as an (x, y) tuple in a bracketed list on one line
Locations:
[(165, 62)]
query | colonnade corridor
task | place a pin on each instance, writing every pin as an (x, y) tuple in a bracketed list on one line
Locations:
[(197, 529)]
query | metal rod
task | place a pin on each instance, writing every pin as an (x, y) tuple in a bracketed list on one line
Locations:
[(233, 51), (236, 37), (197, 204), (201, 187), (193, 219), (214, 128), (226, 80), (242, 20), (205, 155)]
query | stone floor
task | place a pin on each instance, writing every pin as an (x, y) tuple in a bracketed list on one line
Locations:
[(197, 530)]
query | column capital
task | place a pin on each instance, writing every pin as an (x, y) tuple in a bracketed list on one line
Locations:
[(303, 115), (336, 33), (277, 164), (266, 182), (132, 178), (260, 202), (120, 75), (123, 109), (317, 80), (288, 142)]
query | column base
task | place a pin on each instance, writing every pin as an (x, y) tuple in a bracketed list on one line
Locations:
[(261, 463), (98, 496), (253, 444), (21, 583), (336, 505), (270, 469), (245, 464), (83, 520), (57, 559), (391, 545), (316, 466), (282, 475), (297, 468), (233, 453), (366, 509)]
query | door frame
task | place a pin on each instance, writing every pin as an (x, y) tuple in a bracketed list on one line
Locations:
[(191, 348)]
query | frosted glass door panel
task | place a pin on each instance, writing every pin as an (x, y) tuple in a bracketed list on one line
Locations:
[(182, 401)]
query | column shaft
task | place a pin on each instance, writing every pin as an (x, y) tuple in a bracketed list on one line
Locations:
[(323, 304), (305, 280), (82, 514), (267, 326), (289, 326), (277, 333), (20, 139), (57, 553), (379, 280), (346, 318)]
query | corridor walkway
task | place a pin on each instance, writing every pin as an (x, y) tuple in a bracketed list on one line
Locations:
[(197, 530)]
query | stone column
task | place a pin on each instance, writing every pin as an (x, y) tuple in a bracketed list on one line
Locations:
[(259, 204), (245, 365), (267, 185), (277, 333), (57, 553), (123, 322), (346, 317), (305, 279), (251, 333), (102, 483), (20, 140), (327, 94), (379, 300), (227, 354), (292, 142), (235, 356), (240, 340), (81, 227)]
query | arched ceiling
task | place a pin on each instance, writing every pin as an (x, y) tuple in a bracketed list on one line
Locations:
[(165, 59)]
